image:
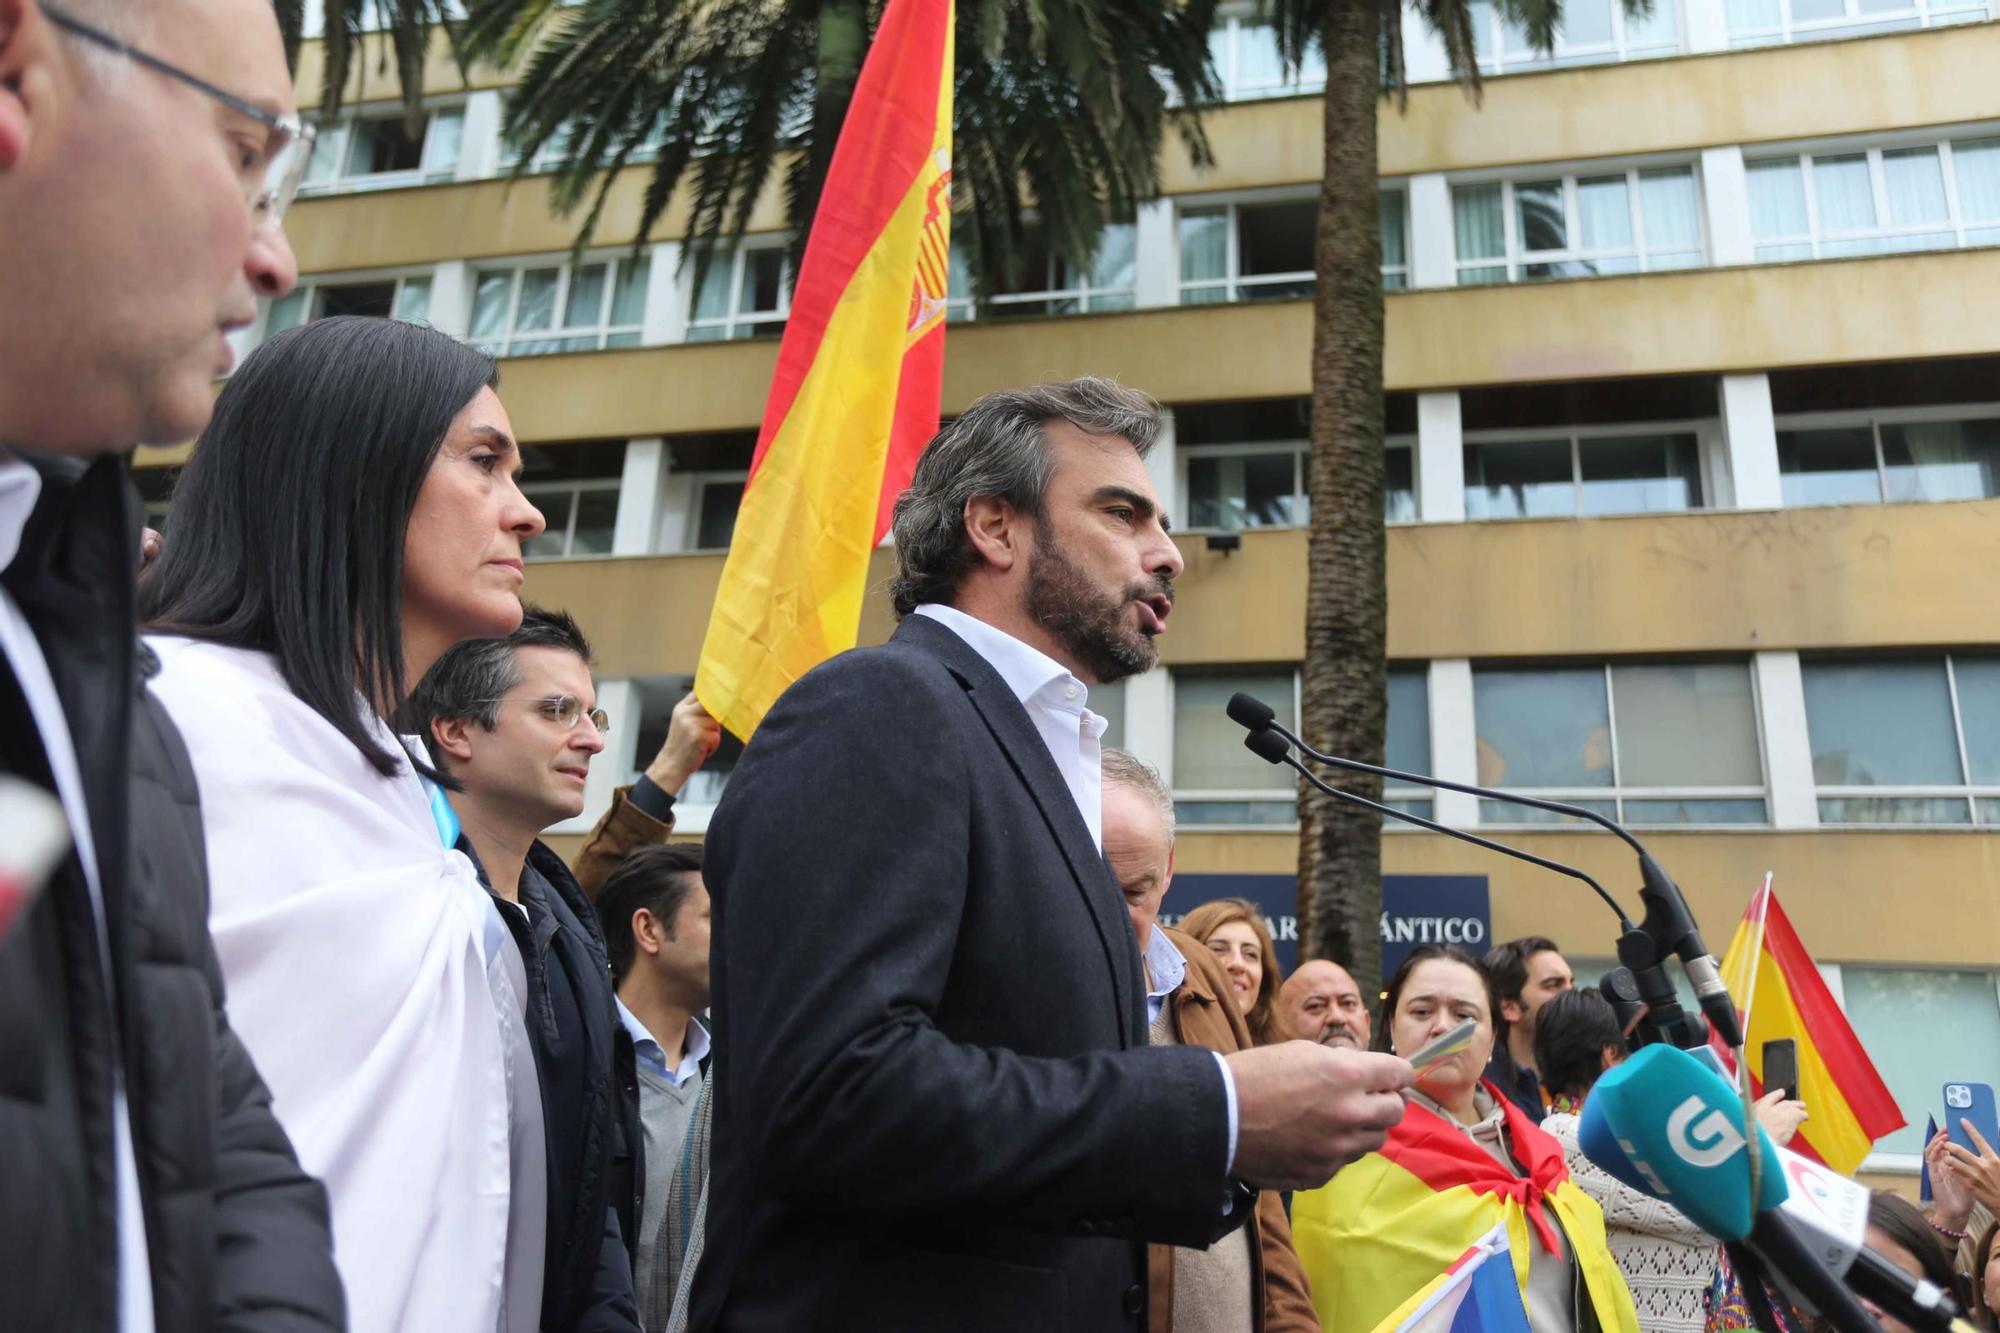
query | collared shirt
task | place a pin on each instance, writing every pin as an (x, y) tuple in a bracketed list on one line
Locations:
[(648, 1048), (1054, 699), (1166, 969), (20, 487)]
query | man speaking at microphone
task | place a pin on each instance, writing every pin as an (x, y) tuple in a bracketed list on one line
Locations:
[(935, 1106)]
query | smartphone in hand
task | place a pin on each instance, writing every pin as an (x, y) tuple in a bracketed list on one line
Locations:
[(1781, 1067), (1974, 1102)]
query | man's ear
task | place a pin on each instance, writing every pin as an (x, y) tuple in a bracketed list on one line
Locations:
[(647, 934), (452, 735), (27, 77), (997, 530), (1513, 1011)]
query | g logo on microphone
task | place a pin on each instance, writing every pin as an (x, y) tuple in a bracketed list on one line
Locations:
[(1708, 1141)]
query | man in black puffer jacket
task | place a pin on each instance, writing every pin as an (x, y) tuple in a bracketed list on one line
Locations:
[(515, 722), (144, 1184)]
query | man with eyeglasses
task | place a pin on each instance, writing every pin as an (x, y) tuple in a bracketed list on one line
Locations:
[(147, 150), (515, 723)]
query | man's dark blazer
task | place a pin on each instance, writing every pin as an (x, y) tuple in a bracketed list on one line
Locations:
[(934, 1103)]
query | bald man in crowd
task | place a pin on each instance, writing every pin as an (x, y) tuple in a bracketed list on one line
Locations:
[(1322, 1003)]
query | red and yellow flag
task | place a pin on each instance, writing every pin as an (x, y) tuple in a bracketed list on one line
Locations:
[(1781, 994), (855, 397)]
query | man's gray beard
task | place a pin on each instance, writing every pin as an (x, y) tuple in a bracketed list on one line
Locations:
[(1332, 1037)]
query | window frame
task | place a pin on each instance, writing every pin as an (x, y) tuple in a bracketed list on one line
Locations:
[(1232, 203), (502, 345), (313, 284), (1852, 23), (1968, 791), (1617, 794), (738, 325), (1517, 259), (1230, 21), (1301, 450), (1400, 797), (337, 140), (1495, 60), (1705, 464), (1804, 155), (1849, 419), (697, 491), (572, 489), (962, 309)]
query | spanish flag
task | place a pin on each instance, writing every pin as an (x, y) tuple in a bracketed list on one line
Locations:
[(855, 397), (1780, 993), (1375, 1239)]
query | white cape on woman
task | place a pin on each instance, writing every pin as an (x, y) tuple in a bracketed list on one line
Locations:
[(352, 947)]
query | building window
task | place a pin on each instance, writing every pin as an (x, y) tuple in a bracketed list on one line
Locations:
[(1874, 201), (576, 488), (657, 698), (1395, 240), (1915, 741), (1775, 22), (550, 155), (1265, 251), (560, 307), (1592, 32), (1583, 475), (1217, 781), (1922, 1029), (746, 292), (1873, 460), (1050, 285), (717, 499), (1267, 485), (1245, 51), (406, 298), (1671, 743), (1577, 226), (376, 151)]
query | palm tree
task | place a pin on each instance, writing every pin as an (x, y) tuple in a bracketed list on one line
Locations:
[(1060, 108), (1344, 679)]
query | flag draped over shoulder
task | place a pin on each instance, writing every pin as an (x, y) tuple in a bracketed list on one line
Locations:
[(855, 396), (1781, 994), (1375, 1240)]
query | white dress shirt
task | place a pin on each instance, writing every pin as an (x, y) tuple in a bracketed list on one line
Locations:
[(20, 487), (1055, 700), (1166, 969)]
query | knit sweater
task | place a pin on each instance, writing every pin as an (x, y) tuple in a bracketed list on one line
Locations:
[(1667, 1260)]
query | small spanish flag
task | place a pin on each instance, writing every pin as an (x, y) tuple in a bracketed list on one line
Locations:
[(855, 397), (1780, 992)]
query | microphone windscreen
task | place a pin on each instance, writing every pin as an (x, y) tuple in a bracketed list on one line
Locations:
[(1248, 712), (1267, 745), (1669, 1127)]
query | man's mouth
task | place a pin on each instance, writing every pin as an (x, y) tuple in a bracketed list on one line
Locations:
[(1153, 613), (1339, 1035)]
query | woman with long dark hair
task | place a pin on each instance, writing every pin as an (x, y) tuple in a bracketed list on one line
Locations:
[(351, 512)]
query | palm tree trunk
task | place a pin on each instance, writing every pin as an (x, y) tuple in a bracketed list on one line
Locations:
[(843, 44), (1344, 678)]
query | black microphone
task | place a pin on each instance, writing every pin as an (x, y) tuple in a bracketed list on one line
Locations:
[(1668, 926), (1269, 746)]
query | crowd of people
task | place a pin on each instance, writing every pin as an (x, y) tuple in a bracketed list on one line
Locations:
[(311, 1030)]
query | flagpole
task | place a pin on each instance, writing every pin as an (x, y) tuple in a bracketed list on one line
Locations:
[(1752, 1139)]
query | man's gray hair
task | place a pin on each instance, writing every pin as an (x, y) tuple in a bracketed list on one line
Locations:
[(1126, 769), (999, 448)]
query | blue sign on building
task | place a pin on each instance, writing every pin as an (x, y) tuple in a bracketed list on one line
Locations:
[(1416, 909)]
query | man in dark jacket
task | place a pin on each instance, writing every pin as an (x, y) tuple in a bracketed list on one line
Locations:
[(144, 1183), (515, 722)]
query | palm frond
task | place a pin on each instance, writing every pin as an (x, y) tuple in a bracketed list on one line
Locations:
[(408, 25), (1062, 107)]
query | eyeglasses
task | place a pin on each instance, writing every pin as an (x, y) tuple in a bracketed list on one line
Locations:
[(565, 710), (288, 147)]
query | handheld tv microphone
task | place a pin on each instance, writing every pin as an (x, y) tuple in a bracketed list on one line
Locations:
[(1668, 927), (1669, 1127)]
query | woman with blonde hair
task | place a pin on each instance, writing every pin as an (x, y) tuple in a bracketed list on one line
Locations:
[(1233, 930)]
